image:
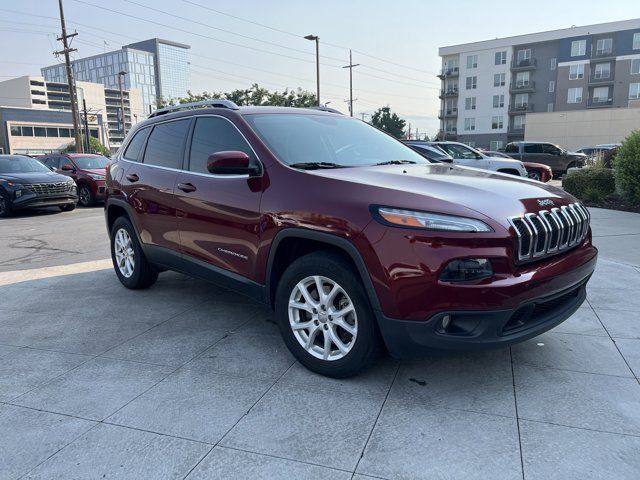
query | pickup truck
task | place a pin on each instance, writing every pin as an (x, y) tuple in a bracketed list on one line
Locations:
[(546, 153)]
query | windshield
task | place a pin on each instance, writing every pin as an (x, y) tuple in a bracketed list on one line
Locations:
[(460, 151), (89, 163), (20, 164), (343, 141), (434, 153)]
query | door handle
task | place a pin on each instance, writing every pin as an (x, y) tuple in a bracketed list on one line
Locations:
[(187, 187), (132, 177)]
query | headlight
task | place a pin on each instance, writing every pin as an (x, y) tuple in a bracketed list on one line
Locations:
[(432, 221), (96, 177)]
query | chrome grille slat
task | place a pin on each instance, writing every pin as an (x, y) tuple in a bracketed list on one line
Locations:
[(549, 232), (49, 188)]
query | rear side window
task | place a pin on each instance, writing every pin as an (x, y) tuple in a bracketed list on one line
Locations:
[(165, 147), (511, 148), (212, 135), (532, 148), (136, 145)]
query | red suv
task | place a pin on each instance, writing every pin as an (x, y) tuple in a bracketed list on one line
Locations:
[(88, 171), (355, 240)]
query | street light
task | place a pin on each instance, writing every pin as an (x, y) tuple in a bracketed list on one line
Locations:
[(124, 121), (316, 39)]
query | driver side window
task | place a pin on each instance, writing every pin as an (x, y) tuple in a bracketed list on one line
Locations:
[(550, 149), (213, 135), (65, 161)]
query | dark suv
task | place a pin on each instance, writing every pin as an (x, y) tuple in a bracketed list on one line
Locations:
[(88, 171), (353, 238), (545, 153)]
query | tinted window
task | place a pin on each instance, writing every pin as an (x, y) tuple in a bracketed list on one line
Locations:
[(165, 147), (65, 161), (550, 149), (211, 135), (51, 162), (40, 131), (134, 149), (511, 148), (532, 148), (459, 151)]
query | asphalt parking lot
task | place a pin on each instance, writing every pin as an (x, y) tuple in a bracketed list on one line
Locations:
[(187, 380)]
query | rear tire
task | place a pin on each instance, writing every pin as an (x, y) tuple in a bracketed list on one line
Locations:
[(342, 344), (85, 196), (129, 262)]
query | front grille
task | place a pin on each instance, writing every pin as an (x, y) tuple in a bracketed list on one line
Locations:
[(50, 188), (549, 232)]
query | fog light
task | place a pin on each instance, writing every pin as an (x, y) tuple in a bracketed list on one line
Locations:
[(18, 193), (467, 269)]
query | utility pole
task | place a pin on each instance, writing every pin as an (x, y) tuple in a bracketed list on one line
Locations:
[(71, 82), (86, 124), (317, 40), (350, 67)]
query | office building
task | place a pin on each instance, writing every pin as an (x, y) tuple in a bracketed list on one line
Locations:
[(35, 93), (489, 87), (159, 68)]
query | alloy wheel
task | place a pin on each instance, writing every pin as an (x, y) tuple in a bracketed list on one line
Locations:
[(123, 250), (323, 318), (534, 176), (85, 196)]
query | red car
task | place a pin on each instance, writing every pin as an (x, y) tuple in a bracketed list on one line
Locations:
[(355, 240), (536, 171), (88, 171)]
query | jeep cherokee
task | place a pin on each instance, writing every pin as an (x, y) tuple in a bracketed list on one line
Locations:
[(355, 240)]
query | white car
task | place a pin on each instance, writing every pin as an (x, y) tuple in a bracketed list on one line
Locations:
[(470, 157)]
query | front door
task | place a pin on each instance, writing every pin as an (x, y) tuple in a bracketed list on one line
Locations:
[(218, 215)]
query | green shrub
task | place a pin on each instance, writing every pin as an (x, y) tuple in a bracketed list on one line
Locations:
[(627, 167), (591, 185)]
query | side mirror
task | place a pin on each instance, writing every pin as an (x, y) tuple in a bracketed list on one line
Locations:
[(230, 163), (68, 168)]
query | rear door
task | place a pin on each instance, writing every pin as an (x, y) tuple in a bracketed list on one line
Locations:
[(218, 215), (150, 179)]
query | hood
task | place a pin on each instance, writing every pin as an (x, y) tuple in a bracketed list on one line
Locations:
[(451, 189), (94, 171), (36, 177), (577, 154)]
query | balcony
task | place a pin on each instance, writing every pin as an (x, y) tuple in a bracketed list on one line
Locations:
[(449, 72), (522, 87), (514, 131), (448, 93), (520, 108), (525, 64), (597, 102), (603, 53), (603, 78)]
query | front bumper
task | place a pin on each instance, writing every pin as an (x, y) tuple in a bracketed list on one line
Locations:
[(42, 201), (99, 189), (477, 329)]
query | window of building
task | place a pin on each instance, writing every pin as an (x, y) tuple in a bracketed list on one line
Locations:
[(450, 126), (27, 131), (497, 122), (634, 91), (602, 70), (600, 94), (553, 63), (469, 123), (496, 145), (576, 72), (165, 146), (451, 106), (578, 48), (522, 100), (522, 79), (574, 95), (136, 145), (499, 80), (552, 86), (501, 58), (604, 46), (472, 61), (39, 132), (636, 41), (498, 101), (635, 66), (523, 56), (15, 131), (472, 82), (212, 135), (52, 132), (549, 107), (64, 132), (470, 103), (519, 122)]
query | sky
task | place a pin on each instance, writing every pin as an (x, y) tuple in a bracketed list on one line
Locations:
[(236, 43)]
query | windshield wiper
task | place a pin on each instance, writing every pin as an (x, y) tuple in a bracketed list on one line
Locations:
[(316, 165), (396, 162)]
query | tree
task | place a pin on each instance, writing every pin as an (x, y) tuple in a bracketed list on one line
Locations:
[(256, 95), (388, 122), (95, 146)]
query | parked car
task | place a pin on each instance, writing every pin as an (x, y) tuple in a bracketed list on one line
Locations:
[(535, 171), (605, 153), (467, 156), (429, 151), (87, 170), (546, 153), (27, 183), (354, 239)]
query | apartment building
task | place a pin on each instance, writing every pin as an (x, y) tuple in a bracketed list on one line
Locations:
[(159, 68), (34, 92), (489, 87)]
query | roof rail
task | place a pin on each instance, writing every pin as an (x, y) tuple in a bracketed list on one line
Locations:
[(218, 103), (326, 109)]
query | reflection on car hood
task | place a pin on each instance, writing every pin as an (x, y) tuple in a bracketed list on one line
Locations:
[(36, 177)]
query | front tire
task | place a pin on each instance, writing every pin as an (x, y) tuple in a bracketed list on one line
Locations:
[(325, 317), (132, 267), (5, 205), (534, 175), (85, 196)]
